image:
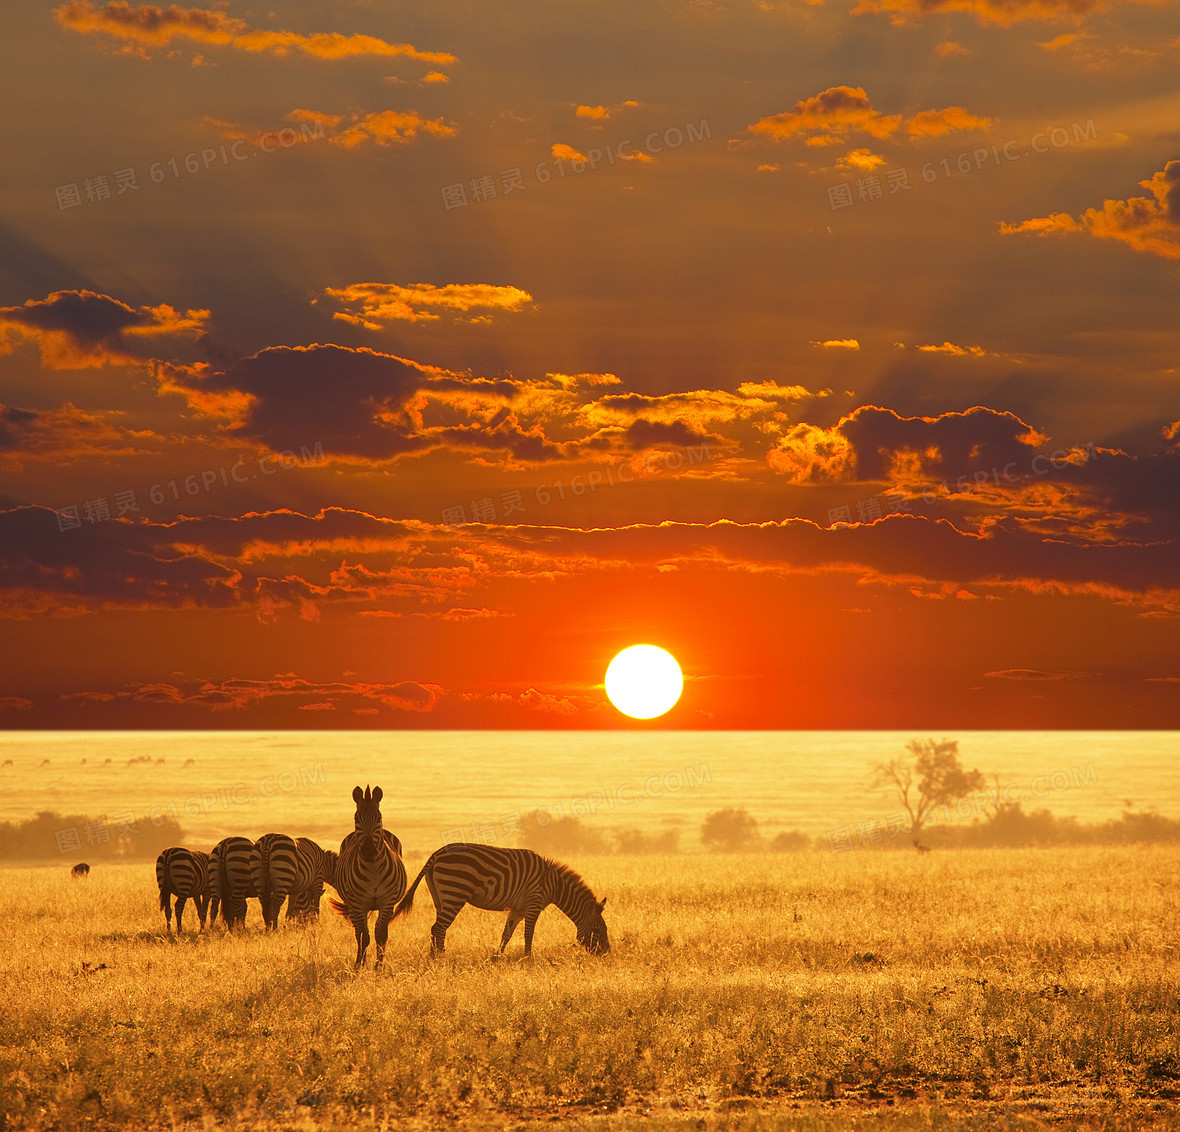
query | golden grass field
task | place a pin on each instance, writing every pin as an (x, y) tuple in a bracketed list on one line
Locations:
[(979, 989)]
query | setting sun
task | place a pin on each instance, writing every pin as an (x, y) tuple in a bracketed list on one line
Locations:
[(644, 681)]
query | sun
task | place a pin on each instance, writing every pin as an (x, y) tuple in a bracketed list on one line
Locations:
[(644, 681)]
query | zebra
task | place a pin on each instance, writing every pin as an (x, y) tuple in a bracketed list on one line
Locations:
[(183, 873), (370, 875), (231, 881), (519, 881), (80, 871), (273, 864), (316, 867)]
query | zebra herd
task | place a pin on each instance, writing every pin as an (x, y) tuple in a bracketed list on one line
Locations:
[(369, 876)]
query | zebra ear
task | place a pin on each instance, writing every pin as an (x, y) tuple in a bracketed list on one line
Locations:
[(602, 904), (377, 794), (357, 796)]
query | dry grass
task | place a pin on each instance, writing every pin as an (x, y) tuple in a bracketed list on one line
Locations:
[(991, 989)]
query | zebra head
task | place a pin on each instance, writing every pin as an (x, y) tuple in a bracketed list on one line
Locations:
[(592, 933), (368, 821)]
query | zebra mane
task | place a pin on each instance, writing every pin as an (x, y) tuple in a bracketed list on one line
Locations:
[(568, 874)]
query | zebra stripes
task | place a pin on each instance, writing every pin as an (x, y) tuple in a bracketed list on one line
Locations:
[(370, 876), (315, 867), (516, 880), (183, 873), (274, 863), (231, 879)]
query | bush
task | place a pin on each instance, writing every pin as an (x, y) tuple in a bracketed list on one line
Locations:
[(53, 836), (636, 841), (791, 842), (555, 837), (731, 830)]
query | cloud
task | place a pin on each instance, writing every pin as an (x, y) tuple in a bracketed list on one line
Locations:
[(1000, 13), (955, 351), (146, 26), (951, 49), (838, 344), (600, 113), (64, 436), (829, 115), (84, 329), (833, 113), (568, 153), (936, 123), (874, 444), (860, 161), (390, 127), (372, 305), (1146, 224)]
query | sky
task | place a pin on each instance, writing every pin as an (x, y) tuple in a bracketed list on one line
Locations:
[(394, 366)]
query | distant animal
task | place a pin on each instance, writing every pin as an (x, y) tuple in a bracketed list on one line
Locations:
[(274, 861), (921, 848), (44, 762), (183, 873), (106, 762), (370, 876), (83, 763), (8, 762), (159, 762), (230, 879), (316, 867), (190, 762), (80, 871), (519, 880)]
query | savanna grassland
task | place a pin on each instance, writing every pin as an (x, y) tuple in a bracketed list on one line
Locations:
[(981, 989)]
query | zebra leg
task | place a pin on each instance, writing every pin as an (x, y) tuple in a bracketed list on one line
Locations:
[(168, 912), (514, 918), (530, 923), (202, 903), (180, 903), (360, 925), (446, 917), (381, 934)]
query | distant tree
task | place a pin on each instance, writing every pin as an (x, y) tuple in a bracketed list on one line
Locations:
[(731, 830), (790, 842), (637, 841), (555, 837), (930, 775)]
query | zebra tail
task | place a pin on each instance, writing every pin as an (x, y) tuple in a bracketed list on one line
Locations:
[(339, 907), (266, 890), (406, 903), (223, 892), (165, 896)]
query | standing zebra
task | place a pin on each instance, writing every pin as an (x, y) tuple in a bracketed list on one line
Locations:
[(80, 871), (315, 868), (183, 873), (231, 880), (274, 861), (516, 880), (370, 876)]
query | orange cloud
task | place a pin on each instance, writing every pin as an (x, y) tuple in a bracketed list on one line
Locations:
[(1001, 13), (375, 304), (950, 49), (957, 351), (935, 123), (1146, 224), (84, 329), (838, 344), (831, 113), (146, 25), (598, 113), (64, 436), (860, 161), (391, 127), (561, 150)]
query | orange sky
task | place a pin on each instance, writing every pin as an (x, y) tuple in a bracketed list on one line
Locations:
[(364, 367)]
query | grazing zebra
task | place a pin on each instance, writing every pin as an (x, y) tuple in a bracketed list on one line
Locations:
[(231, 880), (183, 873), (518, 881), (273, 865), (370, 876), (80, 871), (316, 867)]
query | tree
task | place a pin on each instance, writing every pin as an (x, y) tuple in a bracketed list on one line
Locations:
[(731, 829), (930, 775)]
